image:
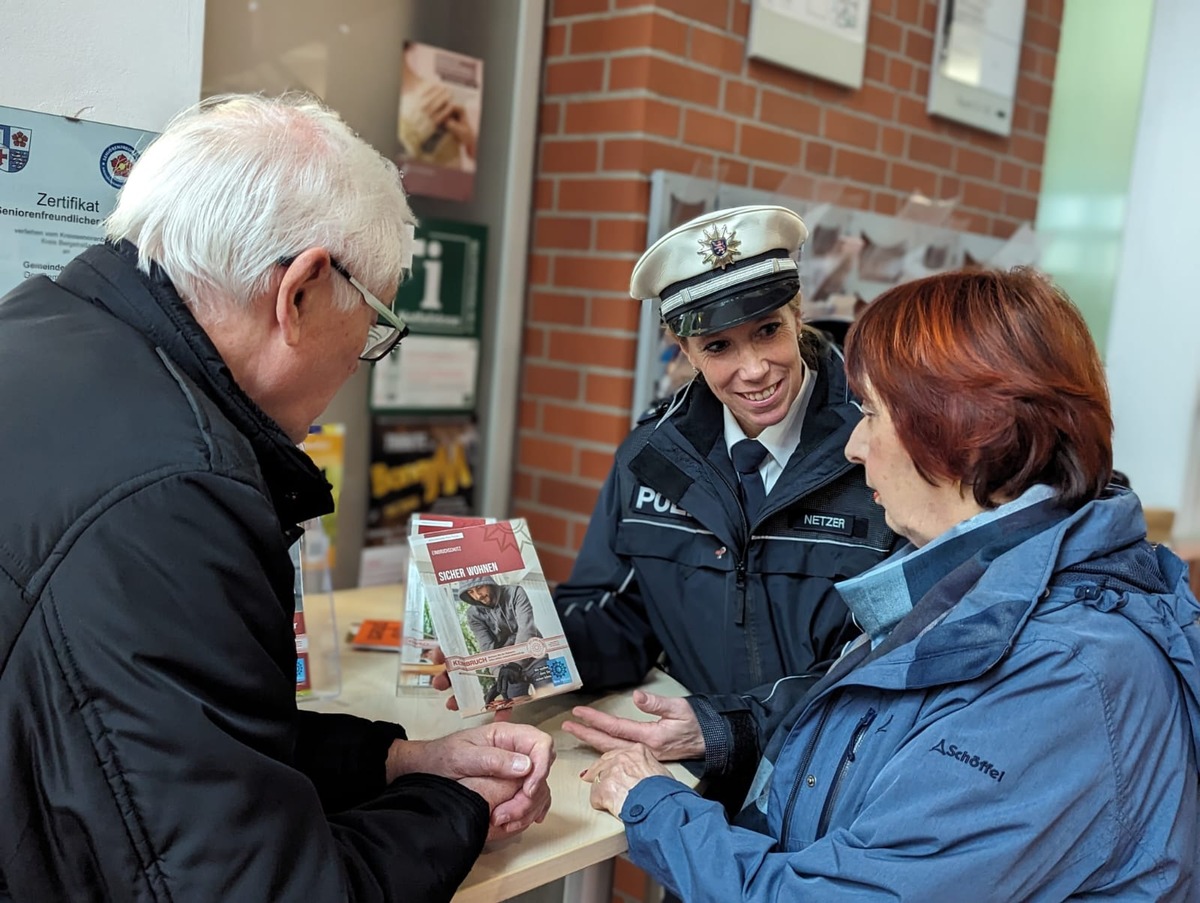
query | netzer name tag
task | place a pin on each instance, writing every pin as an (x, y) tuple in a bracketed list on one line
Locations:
[(824, 523)]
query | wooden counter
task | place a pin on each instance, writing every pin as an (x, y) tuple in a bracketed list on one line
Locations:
[(574, 836)]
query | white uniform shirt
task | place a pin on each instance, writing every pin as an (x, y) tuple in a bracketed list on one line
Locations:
[(780, 439)]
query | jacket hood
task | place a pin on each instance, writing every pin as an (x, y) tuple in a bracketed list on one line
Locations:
[(1101, 551), (464, 595)]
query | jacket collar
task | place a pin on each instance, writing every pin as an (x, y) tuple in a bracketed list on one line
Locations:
[(150, 305), (940, 643)]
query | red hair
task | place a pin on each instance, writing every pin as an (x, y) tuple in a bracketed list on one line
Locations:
[(992, 380)]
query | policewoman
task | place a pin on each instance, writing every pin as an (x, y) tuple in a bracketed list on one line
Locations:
[(731, 509)]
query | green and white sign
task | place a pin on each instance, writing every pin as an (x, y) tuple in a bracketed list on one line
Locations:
[(437, 366), (442, 295)]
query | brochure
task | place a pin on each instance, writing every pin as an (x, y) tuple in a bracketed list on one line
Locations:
[(493, 615), (420, 639)]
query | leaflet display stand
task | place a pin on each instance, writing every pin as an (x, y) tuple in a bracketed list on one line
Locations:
[(318, 668)]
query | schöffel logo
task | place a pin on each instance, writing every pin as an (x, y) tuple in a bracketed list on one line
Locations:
[(14, 148), (969, 759)]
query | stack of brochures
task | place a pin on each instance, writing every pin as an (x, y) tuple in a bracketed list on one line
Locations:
[(477, 590)]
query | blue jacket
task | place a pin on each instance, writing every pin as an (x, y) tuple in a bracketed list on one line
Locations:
[(1038, 741)]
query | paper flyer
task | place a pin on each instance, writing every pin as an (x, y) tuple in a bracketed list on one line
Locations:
[(493, 615), (326, 446)]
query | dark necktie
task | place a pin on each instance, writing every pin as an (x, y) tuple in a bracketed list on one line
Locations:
[(747, 455)]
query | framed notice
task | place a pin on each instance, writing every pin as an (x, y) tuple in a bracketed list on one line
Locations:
[(976, 55), (59, 179), (825, 38), (436, 368)]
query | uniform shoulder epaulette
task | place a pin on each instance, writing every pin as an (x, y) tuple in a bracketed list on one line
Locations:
[(656, 410)]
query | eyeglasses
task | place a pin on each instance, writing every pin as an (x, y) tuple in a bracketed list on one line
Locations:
[(385, 334)]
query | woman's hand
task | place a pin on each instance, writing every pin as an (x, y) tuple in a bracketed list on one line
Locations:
[(673, 737), (616, 773)]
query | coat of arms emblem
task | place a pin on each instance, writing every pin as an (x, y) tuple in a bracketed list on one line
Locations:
[(14, 148), (719, 247)]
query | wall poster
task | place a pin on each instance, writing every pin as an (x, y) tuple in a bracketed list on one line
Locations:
[(825, 38), (426, 466), (437, 127)]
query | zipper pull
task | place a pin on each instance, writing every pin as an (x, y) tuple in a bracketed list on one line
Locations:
[(740, 573)]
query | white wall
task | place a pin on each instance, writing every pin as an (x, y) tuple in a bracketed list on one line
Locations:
[(131, 63), (1154, 338)]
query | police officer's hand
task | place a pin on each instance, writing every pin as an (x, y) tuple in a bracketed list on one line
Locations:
[(441, 681), (674, 736), (615, 773)]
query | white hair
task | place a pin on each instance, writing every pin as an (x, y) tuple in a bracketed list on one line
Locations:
[(238, 181)]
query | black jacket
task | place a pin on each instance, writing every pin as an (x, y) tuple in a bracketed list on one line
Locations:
[(670, 564), (150, 743)]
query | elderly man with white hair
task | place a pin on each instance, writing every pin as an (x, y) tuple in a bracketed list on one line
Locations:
[(153, 395)]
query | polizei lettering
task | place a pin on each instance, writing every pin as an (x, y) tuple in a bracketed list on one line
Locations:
[(969, 759), (67, 202), (647, 497)]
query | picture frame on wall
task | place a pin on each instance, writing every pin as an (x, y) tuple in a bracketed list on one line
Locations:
[(824, 38), (976, 58)]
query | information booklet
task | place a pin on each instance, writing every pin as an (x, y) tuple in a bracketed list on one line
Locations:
[(419, 638), (493, 615)]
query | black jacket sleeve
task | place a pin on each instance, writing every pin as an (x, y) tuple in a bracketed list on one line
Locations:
[(190, 772), (344, 756), (601, 606)]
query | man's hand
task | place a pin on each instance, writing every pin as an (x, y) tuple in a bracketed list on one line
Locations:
[(516, 753), (616, 773), (673, 737), (498, 793)]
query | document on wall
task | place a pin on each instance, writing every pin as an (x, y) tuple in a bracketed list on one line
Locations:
[(59, 179), (843, 18)]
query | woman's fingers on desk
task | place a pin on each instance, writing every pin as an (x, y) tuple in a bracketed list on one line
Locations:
[(615, 773), (674, 736)]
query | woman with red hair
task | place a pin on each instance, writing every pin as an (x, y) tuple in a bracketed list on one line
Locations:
[(1020, 718)]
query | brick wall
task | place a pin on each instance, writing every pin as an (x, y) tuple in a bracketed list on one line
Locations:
[(630, 87)]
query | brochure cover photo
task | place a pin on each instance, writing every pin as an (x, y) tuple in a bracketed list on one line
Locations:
[(493, 614)]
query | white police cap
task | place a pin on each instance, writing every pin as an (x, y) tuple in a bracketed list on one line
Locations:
[(723, 268)]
